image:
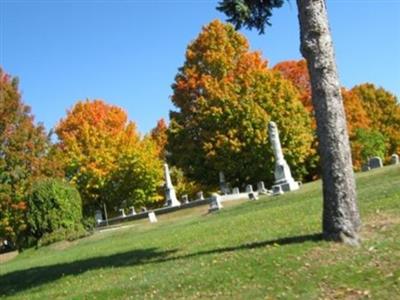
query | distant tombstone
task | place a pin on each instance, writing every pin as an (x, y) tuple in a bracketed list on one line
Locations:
[(394, 160), (185, 199), (277, 190), (98, 216), (200, 195), (261, 188), (132, 211), (249, 188), (222, 184), (375, 162), (152, 217), (122, 211), (143, 209), (215, 203), (235, 191), (365, 168), (253, 196)]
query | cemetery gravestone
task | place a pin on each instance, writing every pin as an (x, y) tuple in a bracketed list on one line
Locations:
[(222, 184), (215, 203), (200, 195), (394, 160), (98, 216), (152, 217), (253, 196), (277, 190), (375, 162), (249, 188), (283, 176), (133, 212), (185, 199), (170, 195), (261, 188), (122, 211)]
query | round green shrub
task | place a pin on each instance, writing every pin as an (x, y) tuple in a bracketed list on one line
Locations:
[(54, 212)]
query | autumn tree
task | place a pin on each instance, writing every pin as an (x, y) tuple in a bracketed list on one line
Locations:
[(225, 97), (160, 137), (24, 148), (383, 109), (356, 115), (297, 72), (105, 156), (341, 220)]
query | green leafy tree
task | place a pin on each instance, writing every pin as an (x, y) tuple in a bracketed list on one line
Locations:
[(341, 219), (55, 212), (369, 143), (225, 97), (24, 157)]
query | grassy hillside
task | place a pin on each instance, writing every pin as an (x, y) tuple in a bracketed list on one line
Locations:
[(270, 248)]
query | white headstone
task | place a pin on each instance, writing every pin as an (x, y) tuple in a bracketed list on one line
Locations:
[(235, 191), (261, 188), (283, 176), (253, 196), (152, 217), (132, 211), (394, 160), (170, 195), (98, 216), (277, 190), (185, 199), (249, 188), (122, 211), (222, 184), (200, 195), (215, 203), (375, 162)]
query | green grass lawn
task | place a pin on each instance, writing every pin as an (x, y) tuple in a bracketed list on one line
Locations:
[(266, 249)]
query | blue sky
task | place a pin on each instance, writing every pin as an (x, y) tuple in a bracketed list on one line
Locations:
[(128, 52)]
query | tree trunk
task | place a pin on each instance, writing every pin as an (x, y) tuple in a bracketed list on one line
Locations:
[(341, 220)]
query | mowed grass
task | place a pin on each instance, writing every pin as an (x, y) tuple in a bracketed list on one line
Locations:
[(266, 249)]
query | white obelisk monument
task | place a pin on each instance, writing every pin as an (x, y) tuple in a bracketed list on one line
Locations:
[(170, 196), (283, 176)]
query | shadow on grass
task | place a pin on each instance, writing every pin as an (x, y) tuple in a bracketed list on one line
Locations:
[(316, 237), (21, 280)]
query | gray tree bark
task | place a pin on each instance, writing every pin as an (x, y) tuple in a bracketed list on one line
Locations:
[(341, 219)]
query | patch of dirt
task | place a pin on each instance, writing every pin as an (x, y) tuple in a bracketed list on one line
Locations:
[(377, 223), (8, 256), (327, 293)]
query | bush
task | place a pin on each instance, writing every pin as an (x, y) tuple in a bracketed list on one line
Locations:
[(54, 212)]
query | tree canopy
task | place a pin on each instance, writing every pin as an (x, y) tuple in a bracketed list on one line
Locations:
[(24, 149), (105, 156), (225, 97)]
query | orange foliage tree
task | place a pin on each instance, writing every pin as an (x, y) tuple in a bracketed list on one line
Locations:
[(297, 72), (106, 158), (225, 96), (383, 109), (356, 114), (159, 135)]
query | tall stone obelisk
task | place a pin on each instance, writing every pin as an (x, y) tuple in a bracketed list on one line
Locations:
[(170, 196), (283, 177)]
